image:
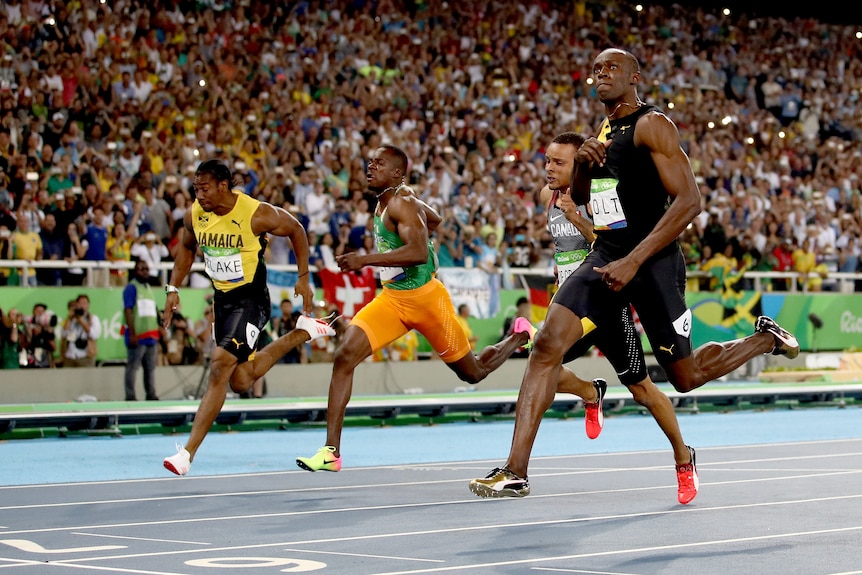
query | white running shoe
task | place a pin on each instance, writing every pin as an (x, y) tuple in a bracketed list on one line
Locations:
[(316, 328), (179, 463)]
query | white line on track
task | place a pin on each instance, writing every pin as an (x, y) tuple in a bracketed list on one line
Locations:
[(454, 464), (317, 551), (417, 505), (474, 528), (582, 571), (108, 536), (533, 475), (628, 551)]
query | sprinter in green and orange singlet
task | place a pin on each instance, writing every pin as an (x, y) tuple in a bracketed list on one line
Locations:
[(231, 228), (412, 298)]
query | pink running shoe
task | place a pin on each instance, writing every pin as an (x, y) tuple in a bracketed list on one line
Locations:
[(687, 480), (523, 325), (594, 415)]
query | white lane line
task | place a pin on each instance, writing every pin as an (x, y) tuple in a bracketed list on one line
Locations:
[(472, 528), (363, 555), (100, 568), (534, 475), (579, 571), (474, 500), (33, 547), (454, 464), (12, 563), (639, 550), (107, 536)]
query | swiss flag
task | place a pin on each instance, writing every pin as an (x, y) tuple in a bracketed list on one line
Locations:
[(350, 291)]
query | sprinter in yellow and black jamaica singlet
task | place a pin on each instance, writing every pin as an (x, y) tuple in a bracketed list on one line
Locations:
[(233, 254), (411, 298), (230, 229)]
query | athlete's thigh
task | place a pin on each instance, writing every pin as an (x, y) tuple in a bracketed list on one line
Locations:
[(381, 321), (433, 315), (658, 295), (238, 324), (620, 342)]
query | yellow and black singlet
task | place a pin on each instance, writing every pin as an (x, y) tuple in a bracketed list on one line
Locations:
[(233, 254)]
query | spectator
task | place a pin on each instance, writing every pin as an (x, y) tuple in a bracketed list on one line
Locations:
[(53, 249), (40, 344), (782, 261), (9, 333), (405, 348), (26, 245), (96, 236), (119, 250), (81, 332), (450, 246), (181, 346), (141, 332), (76, 250), (156, 216), (150, 249), (805, 263)]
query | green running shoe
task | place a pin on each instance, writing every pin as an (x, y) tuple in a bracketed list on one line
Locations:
[(323, 460)]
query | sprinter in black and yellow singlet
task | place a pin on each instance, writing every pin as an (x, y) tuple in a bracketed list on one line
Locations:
[(639, 182), (571, 227), (231, 230), (411, 298)]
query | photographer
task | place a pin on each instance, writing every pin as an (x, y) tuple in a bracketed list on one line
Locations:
[(81, 330), (9, 339), (40, 342), (181, 345)]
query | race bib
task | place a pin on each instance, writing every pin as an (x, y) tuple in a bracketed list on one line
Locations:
[(224, 265), (147, 308), (682, 324), (605, 201), (567, 263), (251, 333), (390, 274)]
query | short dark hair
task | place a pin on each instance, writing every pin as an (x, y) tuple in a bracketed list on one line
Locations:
[(570, 138), (398, 154), (215, 168), (522, 300)]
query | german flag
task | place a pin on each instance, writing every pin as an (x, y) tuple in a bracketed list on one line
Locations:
[(540, 292)]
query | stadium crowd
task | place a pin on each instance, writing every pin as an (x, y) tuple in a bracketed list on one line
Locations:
[(106, 108)]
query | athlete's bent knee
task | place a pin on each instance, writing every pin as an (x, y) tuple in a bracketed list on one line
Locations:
[(683, 385), (642, 394), (681, 378), (471, 378), (548, 346)]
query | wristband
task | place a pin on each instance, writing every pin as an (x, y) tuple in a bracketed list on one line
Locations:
[(171, 289), (302, 274)]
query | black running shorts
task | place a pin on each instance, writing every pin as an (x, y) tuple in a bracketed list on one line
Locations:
[(239, 320), (657, 293)]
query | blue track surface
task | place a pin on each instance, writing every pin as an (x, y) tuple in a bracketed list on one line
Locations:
[(81, 459)]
